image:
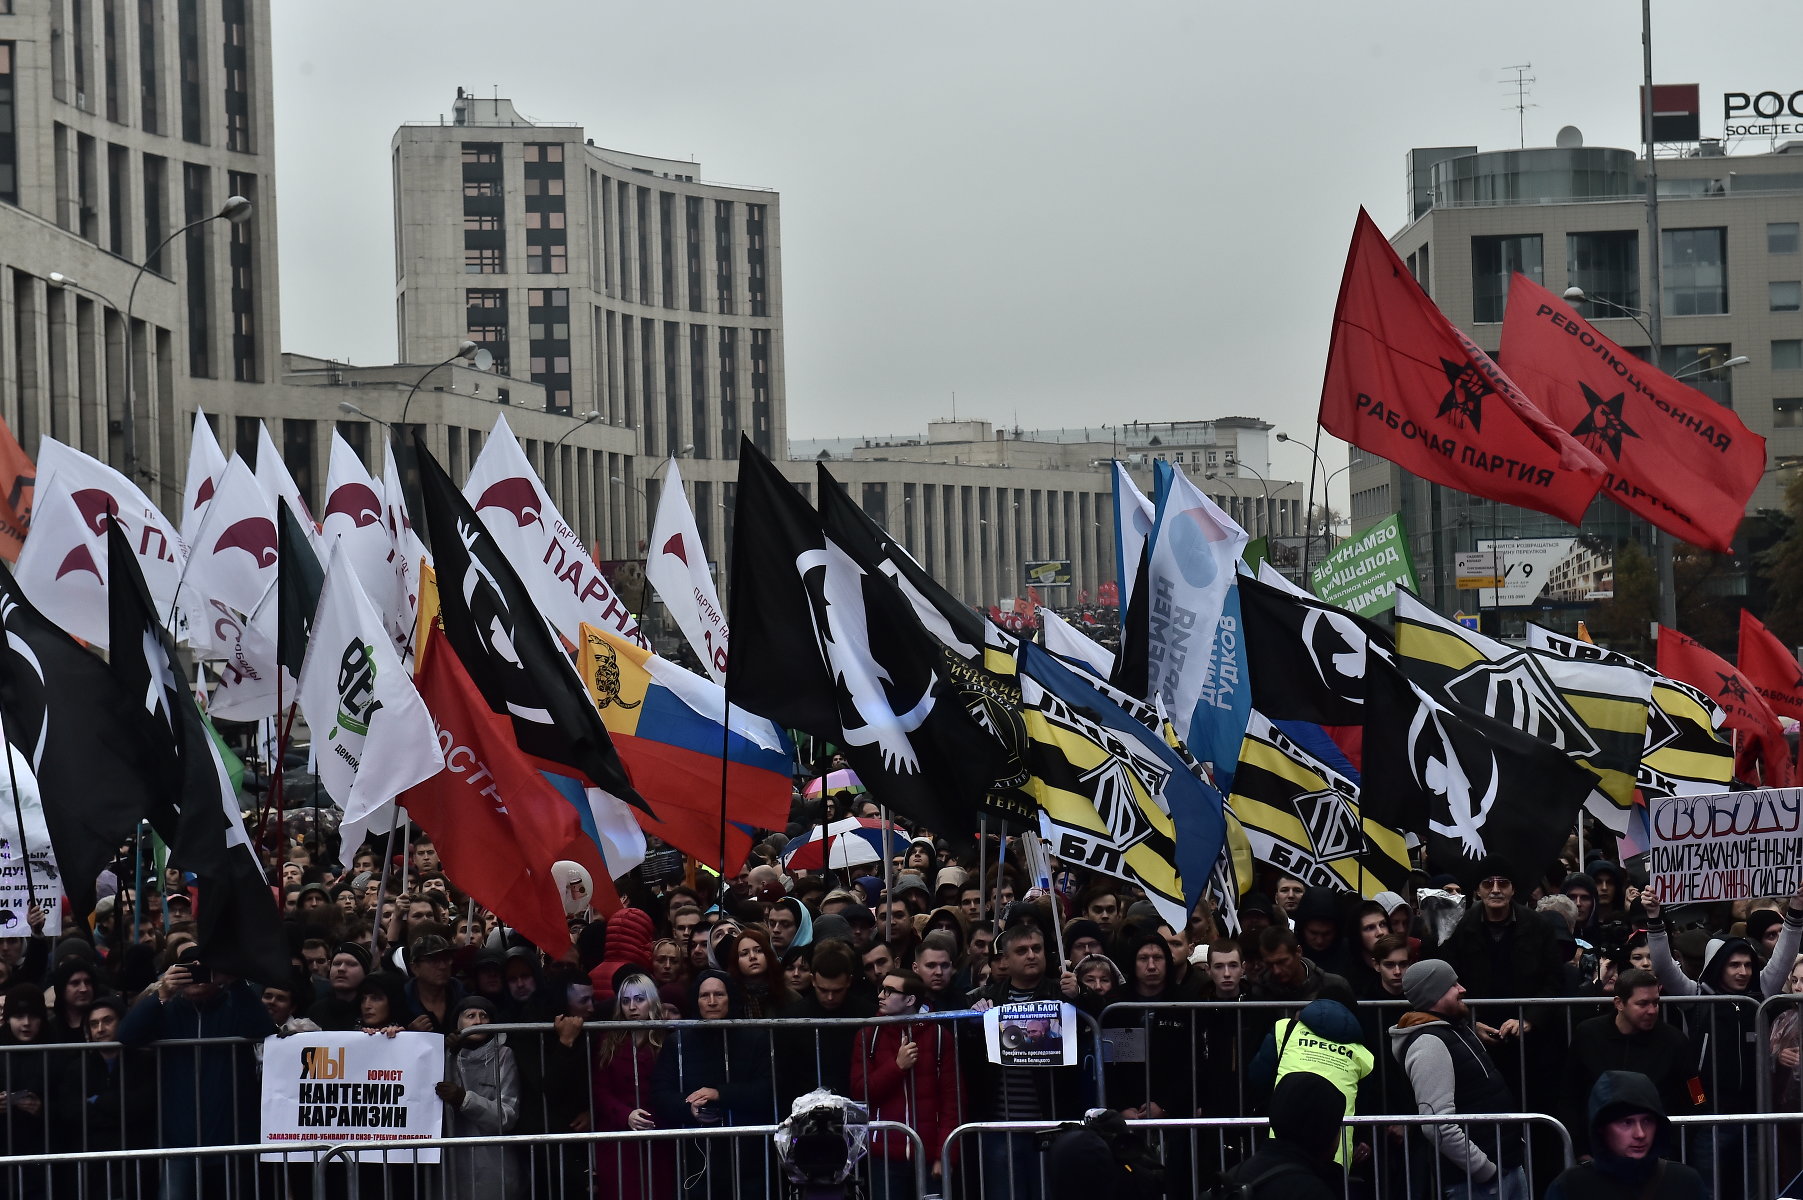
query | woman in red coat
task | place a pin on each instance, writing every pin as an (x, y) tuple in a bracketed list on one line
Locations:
[(625, 1061), (905, 1071)]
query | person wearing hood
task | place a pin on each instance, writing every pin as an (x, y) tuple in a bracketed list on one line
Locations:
[(1611, 884), (1450, 1073), (1157, 1077), (1630, 1139), (629, 935), (481, 1094), (527, 999), (790, 925), (1324, 1039), (709, 1077), (1298, 1160), (1581, 889), (1730, 968), (1319, 929), (1632, 1038)]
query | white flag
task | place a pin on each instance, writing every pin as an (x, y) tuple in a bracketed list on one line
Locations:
[(1133, 516), (279, 485), (206, 463), (1073, 645), (17, 845), (402, 609), (248, 672), (1194, 549), (552, 561), (234, 555), (676, 565), (372, 735), (75, 543), (356, 516)]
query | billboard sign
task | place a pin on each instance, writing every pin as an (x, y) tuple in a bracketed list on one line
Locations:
[(1548, 571), (1051, 572)]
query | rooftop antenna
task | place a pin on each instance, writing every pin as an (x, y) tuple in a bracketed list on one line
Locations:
[(1523, 84), (954, 406)]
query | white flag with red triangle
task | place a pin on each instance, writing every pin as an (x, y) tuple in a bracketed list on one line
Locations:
[(676, 565)]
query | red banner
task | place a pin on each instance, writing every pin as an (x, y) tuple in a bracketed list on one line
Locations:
[(1674, 456), (1771, 666), (1403, 382), (1762, 745)]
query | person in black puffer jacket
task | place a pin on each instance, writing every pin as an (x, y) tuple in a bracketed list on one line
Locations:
[(1630, 1139)]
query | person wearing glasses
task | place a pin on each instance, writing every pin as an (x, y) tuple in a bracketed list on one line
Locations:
[(904, 1071)]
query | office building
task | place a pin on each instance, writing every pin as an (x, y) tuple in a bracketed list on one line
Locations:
[(1576, 215)]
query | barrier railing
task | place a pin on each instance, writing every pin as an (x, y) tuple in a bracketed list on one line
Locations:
[(1016, 1174)]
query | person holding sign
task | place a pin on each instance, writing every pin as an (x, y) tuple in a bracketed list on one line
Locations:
[(1730, 968), (481, 1094)]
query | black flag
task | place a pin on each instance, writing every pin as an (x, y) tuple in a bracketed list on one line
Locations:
[(299, 578), (198, 811), (508, 648), (1474, 787), (82, 734), (978, 658), (1307, 659), (821, 646)]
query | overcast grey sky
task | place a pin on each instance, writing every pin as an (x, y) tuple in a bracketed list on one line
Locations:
[(1066, 213)]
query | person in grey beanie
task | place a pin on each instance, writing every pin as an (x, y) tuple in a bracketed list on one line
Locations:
[(1451, 1073)]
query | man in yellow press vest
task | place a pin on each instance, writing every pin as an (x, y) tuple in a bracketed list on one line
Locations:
[(1324, 1039)]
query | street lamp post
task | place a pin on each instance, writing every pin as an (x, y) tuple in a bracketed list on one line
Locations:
[(1308, 518), (587, 418), (236, 210)]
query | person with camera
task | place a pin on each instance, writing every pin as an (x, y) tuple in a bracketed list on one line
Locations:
[(209, 1094)]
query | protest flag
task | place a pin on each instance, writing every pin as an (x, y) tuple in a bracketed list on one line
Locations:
[(1303, 816), (1405, 383), (501, 637), (549, 558), (372, 736), (676, 566), (666, 723), (824, 646), (83, 737), (354, 515), (233, 558), (18, 480), (410, 555), (1074, 647), (498, 824), (1771, 666), (1470, 785), (196, 807), (1133, 518), (297, 592), (1595, 712), (1762, 748), (278, 485), (206, 466), (1674, 456)]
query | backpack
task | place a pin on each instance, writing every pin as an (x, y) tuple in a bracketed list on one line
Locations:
[(1248, 1189)]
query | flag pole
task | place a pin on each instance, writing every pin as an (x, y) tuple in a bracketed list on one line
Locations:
[(12, 778), (982, 867), (382, 887)]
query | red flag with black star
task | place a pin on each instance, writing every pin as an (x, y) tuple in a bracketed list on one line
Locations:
[(1771, 666), (1405, 383), (1761, 745), (1674, 456)]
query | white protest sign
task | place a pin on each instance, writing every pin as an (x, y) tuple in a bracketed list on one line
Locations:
[(45, 881), (1034, 1033), (1725, 846), (353, 1087)]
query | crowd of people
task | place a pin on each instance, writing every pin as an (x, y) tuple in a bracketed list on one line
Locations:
[(1379, 1000)]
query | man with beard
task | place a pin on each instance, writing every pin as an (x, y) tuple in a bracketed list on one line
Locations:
[(1450, 1072)]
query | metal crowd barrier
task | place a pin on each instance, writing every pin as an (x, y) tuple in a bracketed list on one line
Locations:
[(1003, 1172)]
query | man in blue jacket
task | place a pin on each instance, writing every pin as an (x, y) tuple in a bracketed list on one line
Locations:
[(209, 1093)]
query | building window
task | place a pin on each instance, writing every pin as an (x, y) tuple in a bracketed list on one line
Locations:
[(118, 185), (1493, 261), (547, 260), (484, 260), (698, 388), (548, 344), (1700, 366), (1787, 354), (78, 34), (1787, 413), (9, 130), (666, 246), (760, 389), (755, 282), (187, 37), (723, 257), (692, 237), (197, 204), (1695, 265), (1607, 266), (150, 85), (244, 296), (237, 76), (482, 221), (156, 184), (1787, 295), (109, 24), (547, 248), (481, 187), (729, 390), (481, 152), (297, 454), (1781, 237)]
